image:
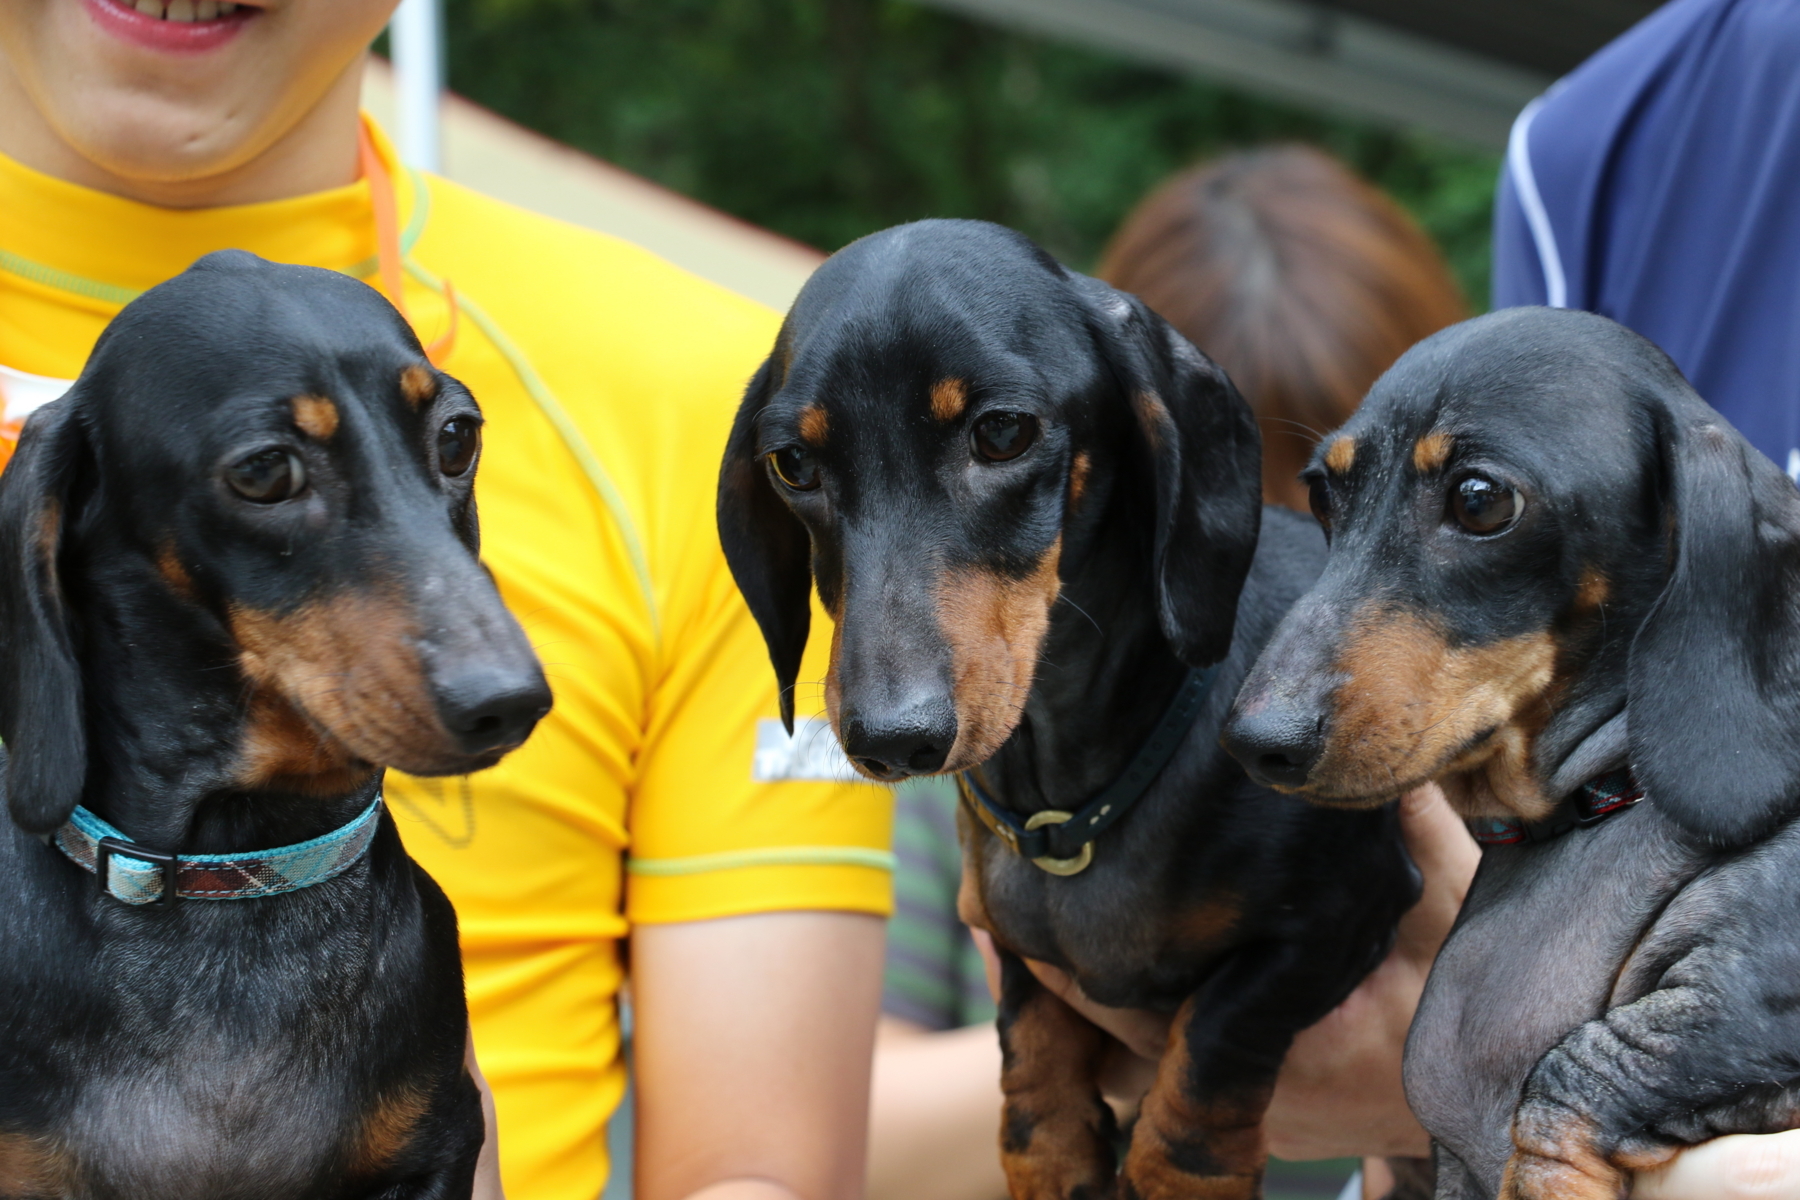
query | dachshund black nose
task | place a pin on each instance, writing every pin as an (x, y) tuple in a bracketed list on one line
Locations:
[(1278, 748), (490, 709), (892, 746)]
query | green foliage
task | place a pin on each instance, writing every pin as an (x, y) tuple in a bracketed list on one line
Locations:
[(827, 119)]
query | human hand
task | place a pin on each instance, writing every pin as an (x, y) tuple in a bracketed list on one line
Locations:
[(1339, 1091), (1740, 1167)]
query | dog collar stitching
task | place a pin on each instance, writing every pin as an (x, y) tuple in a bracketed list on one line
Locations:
[(137, 874), (1590, 804), (1062, 843)]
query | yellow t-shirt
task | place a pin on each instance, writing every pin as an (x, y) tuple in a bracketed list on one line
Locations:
[(608, 378)]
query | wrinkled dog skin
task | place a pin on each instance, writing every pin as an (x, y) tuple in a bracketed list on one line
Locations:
[(1031, 507), (1551, 560)]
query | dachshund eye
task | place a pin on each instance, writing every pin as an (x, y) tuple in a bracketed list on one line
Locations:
[(1002, 436), (457, 444), (796, 467), (1318, 498), (1483, 505), (268, 476)]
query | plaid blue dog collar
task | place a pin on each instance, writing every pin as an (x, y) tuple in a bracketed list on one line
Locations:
[(139, 875), (1592, 803)]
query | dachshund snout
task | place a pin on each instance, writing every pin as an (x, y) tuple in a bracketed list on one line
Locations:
[(489, 708), (892, 745), (1279, 747)]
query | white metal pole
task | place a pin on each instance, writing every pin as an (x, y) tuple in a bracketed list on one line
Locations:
[(416, 36)]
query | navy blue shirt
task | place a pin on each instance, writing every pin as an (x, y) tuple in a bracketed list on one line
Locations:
[(1659, 185)]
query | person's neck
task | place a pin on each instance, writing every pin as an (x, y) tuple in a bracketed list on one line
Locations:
[(319, 151), (1105, 676)]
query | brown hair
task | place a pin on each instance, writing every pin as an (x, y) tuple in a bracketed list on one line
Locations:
[(1303, 281)]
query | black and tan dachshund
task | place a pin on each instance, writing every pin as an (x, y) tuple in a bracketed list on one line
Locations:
[(1032, 510), (239, 580), (1561, 584)]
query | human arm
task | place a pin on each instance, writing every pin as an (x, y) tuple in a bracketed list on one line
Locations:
[(753, 1041), (934, 1114), (487, 1167)]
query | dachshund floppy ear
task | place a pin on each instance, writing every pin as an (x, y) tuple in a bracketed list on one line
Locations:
[(40, 684), (1206, 456), (1714, 680), (766, 546)]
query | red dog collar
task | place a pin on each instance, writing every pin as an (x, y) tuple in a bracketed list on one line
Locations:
[(1592, 802)]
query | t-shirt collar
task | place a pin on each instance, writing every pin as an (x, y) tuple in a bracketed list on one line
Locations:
[(107, 249)]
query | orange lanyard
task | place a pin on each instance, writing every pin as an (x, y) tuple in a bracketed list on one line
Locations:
[(387, 244)]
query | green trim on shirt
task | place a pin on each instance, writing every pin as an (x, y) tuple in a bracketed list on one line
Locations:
[(774, 856)]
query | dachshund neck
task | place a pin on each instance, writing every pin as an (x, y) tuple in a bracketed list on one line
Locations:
[(1105, 676), (170, 723)]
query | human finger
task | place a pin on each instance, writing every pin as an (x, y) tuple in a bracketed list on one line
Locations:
[(990, 959), (1739, 1167), (1143, 1032), (1446, 856)]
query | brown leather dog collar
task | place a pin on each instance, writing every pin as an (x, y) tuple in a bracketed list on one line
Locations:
[(1062, 843)]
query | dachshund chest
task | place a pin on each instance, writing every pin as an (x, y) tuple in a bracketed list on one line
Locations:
[(214, 1128), (1133, 932), (1543, 940), (220, 1052)]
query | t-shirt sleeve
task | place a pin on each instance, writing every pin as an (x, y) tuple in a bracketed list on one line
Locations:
[(728, 815)]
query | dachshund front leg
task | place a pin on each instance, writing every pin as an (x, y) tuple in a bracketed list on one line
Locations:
[(1630, 1090), (1199, 1133), (1056, 1133), (439, 1161)]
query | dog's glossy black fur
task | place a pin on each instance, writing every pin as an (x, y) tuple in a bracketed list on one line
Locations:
[(212, 673), (1030, 507), (1551, 559)]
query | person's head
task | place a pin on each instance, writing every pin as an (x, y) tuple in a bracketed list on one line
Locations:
[(175, 106), (1304, 282)]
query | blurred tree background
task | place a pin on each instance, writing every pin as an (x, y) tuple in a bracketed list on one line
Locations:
[(827, 119)]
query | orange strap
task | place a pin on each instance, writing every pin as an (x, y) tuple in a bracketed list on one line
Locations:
[(9, 440), (387, 244)]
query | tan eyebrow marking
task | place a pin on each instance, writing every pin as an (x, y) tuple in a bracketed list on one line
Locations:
[(948, 399), (1341, 454), (1431, 452), (417, 384), (814, 425), (316, 416)]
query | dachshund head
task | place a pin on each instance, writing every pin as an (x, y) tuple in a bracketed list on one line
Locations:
[(1549, 557), (946, 418)]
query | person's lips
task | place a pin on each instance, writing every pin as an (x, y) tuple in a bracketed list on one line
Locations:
[(172, 25)]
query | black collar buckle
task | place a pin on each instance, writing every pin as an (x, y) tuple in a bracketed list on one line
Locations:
[(104, 850)]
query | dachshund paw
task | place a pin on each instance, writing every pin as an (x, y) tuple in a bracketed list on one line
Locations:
[(1558, 1155), (1062, 1157), (1033, 1178), (1579, 1177), (1157, 1170)]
